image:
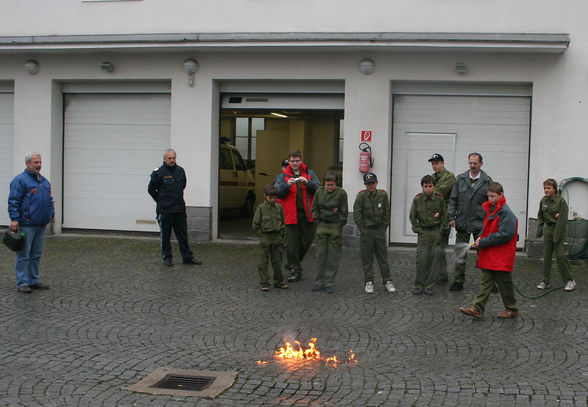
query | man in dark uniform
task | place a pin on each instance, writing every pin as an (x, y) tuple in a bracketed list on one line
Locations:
[(167, 190), (465, 212), (444, 181)]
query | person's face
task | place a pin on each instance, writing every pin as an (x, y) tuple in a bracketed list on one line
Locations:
[(371, 186), (428, 189), (437, 166), (34, 166), (170, 159), (475, 164), (330, 185), (493, 197), (549, 190), (271, 198), (295, 163)]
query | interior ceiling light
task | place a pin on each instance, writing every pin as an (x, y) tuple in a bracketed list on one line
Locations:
[(279, 115)]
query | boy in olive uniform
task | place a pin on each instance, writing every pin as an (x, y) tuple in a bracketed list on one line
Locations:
[(552, 221), (428, 217), (371, 213), (268, 222), (329, 211)]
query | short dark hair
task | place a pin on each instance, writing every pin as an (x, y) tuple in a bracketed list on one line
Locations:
[(427, 179), (552, 182), (478, 154), (294, 153), (495, 187), (330, 176), (270, 190)]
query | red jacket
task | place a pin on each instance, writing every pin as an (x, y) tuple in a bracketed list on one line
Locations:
[(498, 240), (287, 194)]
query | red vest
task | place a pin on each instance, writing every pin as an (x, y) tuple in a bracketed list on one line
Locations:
[(501, 257), (289, 201)]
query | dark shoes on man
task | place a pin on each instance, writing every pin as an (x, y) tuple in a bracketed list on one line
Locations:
[(25, 289), (456, 286), (168, 262), (192, 260), (471, 311), (507, 313)]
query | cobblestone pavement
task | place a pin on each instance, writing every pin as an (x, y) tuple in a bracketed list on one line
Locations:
[(114, 314)]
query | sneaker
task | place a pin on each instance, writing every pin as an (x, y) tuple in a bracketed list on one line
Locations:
[(570, 285), (428, 291), (390, 287), (369, 287), (472, 311), (168, 262), (543, 286), (281, 285), (416, 291), (264, 288), (294, 276), (192, 260), (24, 289), (330, 290), (456, 286), (40, 286), (507, 313)]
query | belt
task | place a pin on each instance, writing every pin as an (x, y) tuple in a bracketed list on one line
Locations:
[(373, 227), (430, 227)]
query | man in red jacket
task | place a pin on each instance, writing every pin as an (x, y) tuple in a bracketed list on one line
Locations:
[(296, 187), (497, 246)]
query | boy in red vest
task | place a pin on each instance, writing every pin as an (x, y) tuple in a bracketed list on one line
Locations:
[(497, 246)]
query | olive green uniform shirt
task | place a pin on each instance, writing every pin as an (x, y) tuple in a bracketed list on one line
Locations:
[(444, 181), (330, 207), (553, 212), (428, 212), (371, 210), (269, 217)]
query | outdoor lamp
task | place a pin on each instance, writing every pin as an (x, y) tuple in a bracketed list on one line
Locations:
[(367, 66), (191, 67), (32, 66)]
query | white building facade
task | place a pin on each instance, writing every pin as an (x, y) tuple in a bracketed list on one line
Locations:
[(506, 79)]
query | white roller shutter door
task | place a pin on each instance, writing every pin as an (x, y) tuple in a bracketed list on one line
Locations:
[(112, 142), (455, 125), (6, 151)]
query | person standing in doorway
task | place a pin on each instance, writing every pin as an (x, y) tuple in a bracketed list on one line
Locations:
[(444, 181), (465, 212), (30, 207), (167, 190), (296, 188)]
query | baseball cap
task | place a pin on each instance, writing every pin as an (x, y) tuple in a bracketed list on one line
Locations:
[(285, 163), (370, 177), (436, 157)]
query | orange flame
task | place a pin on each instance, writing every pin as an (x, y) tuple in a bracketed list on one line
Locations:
[(261, 362), (299, 352)]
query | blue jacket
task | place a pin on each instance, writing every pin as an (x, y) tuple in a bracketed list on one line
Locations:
[(30, 202)]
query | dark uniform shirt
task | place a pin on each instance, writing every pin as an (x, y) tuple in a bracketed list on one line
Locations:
[(553, 212), (428, 212), (330, 207), (371, 210), (167, 189)]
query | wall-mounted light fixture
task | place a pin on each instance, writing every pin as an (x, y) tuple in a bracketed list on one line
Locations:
[(32, 66), (461, 67), (367, 66), (106, 66), (191, 67), (279, 115)]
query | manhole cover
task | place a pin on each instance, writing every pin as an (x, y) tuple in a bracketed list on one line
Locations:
[(179, 382), (184, 382)]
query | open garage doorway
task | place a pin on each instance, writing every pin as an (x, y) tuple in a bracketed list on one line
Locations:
[(253, 143)]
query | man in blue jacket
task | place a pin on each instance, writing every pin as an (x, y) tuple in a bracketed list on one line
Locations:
[(166, 187), (30, 207)]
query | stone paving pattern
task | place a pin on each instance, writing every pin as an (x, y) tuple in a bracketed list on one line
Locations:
[(114, 314)]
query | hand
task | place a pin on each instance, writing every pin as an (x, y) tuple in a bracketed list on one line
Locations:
[(452, 223), (303, 180), (476, 244), (291, 181), (14, 226)]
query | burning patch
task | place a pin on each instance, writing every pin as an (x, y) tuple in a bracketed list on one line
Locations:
[(299, 352)]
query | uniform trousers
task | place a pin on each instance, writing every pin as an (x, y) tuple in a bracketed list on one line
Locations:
[(177, 222), (561, 254), (299, 238), (328, 252), (270, 248), (427, 258), (503, 279), (460, 267), (372, 242)]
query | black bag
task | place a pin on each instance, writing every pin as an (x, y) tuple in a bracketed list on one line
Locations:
[(14, 241)]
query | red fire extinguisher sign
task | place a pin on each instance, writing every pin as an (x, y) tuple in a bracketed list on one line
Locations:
[(366, 135)]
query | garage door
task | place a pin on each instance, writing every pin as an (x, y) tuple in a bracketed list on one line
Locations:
[(112, 142), (6, 149), (496, 126)]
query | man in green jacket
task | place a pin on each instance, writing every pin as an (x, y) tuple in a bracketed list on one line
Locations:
[(329, 211), (465, 212), (371, 213), (444, 181)]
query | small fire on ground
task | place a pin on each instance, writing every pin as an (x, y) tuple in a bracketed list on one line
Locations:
[(299, 352)]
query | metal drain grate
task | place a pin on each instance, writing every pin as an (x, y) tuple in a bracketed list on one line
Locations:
[(184, 382)]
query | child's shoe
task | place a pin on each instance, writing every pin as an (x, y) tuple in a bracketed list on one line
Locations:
[(570, 285), (265, 288), (281, 285), (369, 287), (543, 286), (390, 287)]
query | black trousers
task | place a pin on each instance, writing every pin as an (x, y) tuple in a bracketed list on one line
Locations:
[(177, 222)]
